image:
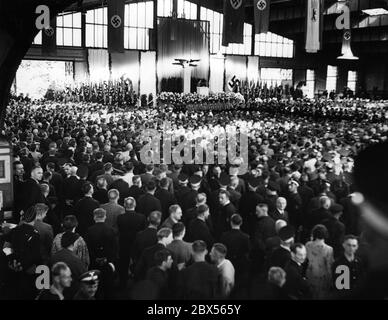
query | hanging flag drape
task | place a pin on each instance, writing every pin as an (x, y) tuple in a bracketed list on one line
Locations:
[(261, 14), (234, 14), (49, 39), (314, 25), (346, 50), (116, 25)]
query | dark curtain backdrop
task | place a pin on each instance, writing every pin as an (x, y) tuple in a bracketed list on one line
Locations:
[(182, 39)]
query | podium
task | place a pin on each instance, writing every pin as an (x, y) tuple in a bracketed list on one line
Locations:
[(203, 91)]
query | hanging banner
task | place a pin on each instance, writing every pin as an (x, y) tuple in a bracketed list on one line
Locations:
[(314, 25), (116, 26), (234, 14), (261, 14), (49, 39)]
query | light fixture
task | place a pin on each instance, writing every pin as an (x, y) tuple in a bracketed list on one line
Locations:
[(375, 11)]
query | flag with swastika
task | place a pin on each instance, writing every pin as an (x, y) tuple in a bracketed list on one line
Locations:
[(261, 14), (116, 25), (234, 14)]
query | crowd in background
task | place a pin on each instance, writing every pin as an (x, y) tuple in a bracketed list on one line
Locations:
[(84, 201)]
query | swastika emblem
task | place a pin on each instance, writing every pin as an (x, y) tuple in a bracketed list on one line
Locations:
[(233, 82), (115, 21), (261, 5), (347, 35), (49, 31), (236, 4)]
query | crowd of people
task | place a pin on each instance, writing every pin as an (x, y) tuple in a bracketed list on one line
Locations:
[(109, 226)]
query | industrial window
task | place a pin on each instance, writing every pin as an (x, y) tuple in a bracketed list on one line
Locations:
[(38, 38), (164, 8), (138, 22), (310, 83), (331, 79), (69, 30), (216, 24), (275, 76), (187, 10), (97, 28), (272, 45), (352, 80)]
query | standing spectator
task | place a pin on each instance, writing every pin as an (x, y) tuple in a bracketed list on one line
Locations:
[(225, 269), (180, 250), (113, 209), (61, 279), (148, 202), (45, 232), (320, 260)]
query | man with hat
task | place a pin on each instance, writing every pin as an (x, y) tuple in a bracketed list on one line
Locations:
[(281, 255), (89, 283)]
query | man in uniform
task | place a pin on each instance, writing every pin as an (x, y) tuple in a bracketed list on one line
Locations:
[(89, 282)]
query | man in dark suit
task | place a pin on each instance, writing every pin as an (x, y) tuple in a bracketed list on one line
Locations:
[(296, 286), (198, 229), (199, 281), (280, 212), (31, 189), (135, 191), (72, 186), (98, 165), (123, 188), (188, 199), (262, 229), (248, 202), (165, 197), (129, 224), (226, 211), (147, 176), (45, 231), (146, 260), (158, 274), (84, 209), (175, 216), (181, 250), (317, 216), (238, 245), (101, 192), (282, 255), (148, 202), (335, 228), (182, 189), (103, 250), (147, 237)]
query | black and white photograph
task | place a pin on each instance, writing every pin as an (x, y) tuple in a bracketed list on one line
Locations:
[(172, 151)]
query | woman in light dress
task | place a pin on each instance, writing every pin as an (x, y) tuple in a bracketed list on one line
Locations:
[(320, 260)]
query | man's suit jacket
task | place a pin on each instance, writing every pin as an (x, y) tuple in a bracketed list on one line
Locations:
[(180, 193), (135, 192), (198, 230), (83, 210), (144, 239), (148, 203), (200, 281), (279, 258), (129, 224), (145, 178), (123, 188), (147, 260), (46, 239), (223, 221), (181, 251), (31, 194), (238, 245), (276, 215), (166, 199), (296, 285), (101, 242)]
